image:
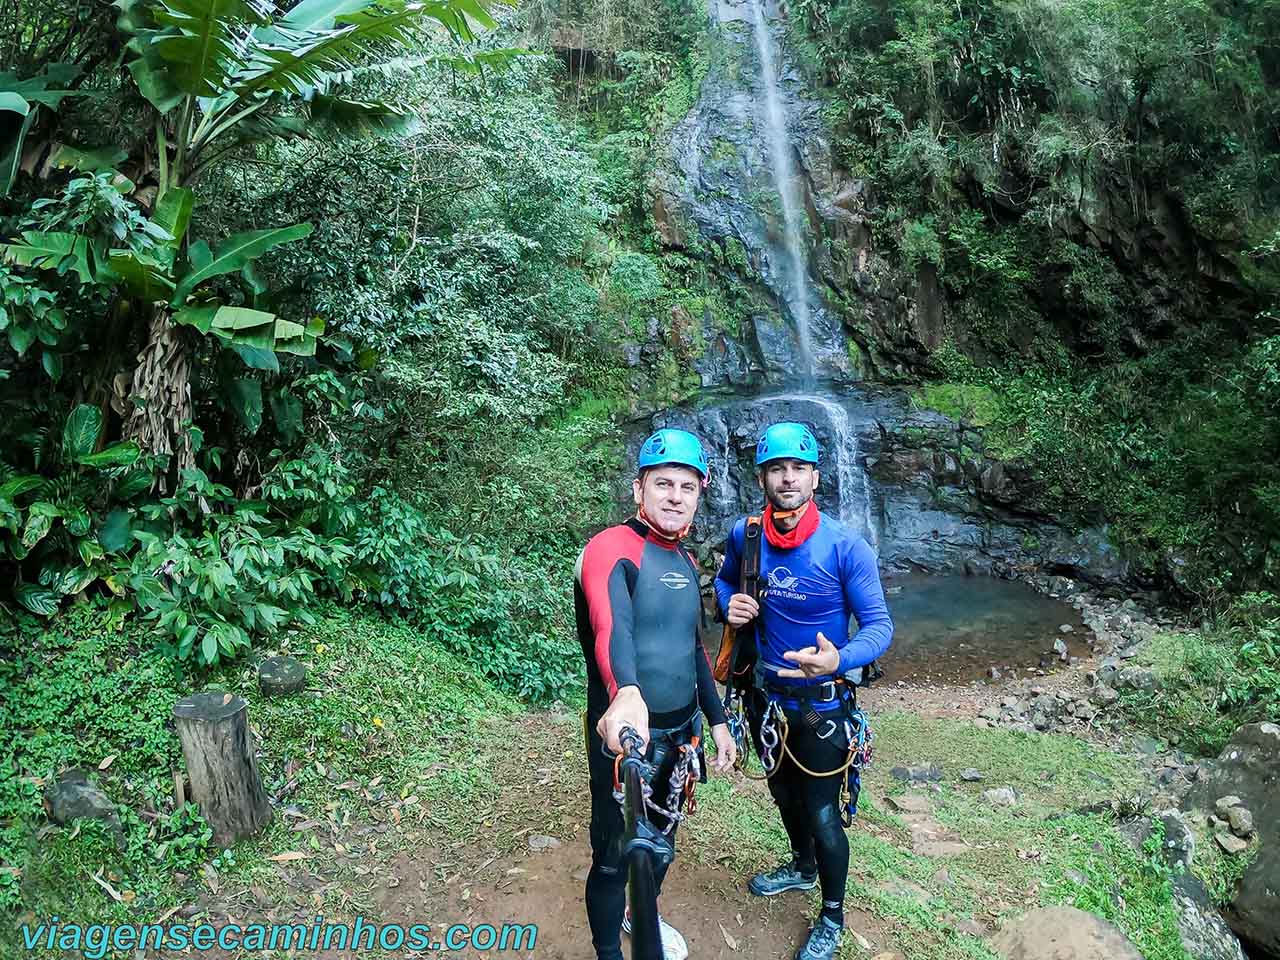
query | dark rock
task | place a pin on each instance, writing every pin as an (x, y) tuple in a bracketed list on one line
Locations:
[(1137, 678), (970, 775), (1240, 820), (73, 796), (1205, 936), (1249, 768), (279, 676)]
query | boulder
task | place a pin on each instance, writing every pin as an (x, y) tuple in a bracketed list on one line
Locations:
[(917, 774), (72, 796), (278, 676), (1241, 821), (1231, 844), (1248, 772), (1062, 933), (1205, 935)]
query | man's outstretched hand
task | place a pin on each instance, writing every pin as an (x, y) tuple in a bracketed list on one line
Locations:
[(726, 748), (628, 709), (820, 661)]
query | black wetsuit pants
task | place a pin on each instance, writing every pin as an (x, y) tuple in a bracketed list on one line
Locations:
[(810, 806), (607, 879)]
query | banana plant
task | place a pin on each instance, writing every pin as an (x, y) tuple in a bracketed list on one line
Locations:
[(221, 73), (20, 107), (172, 276)]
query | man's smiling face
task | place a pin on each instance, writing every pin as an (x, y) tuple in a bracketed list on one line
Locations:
[(669, 497), (787, 483)]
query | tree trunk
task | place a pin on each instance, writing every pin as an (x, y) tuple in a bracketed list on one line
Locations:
[(214, 730), (161, 392)]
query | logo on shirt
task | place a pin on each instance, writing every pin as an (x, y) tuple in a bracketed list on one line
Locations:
[(782, 584), (673, 580), (780, 578)]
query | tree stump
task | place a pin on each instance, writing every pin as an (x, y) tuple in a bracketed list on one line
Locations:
[(214, 730)]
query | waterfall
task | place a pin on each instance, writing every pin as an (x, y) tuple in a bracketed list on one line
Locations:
[(783, 171)]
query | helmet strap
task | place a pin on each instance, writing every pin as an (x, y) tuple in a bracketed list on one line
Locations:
[(799, 511)]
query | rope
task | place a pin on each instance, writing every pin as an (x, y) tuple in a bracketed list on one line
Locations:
[(786, 727)]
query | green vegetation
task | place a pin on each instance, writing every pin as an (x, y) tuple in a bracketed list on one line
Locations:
[(310, 321), (1019, 857), (1057, 163), (1213, 680), (390, 708)]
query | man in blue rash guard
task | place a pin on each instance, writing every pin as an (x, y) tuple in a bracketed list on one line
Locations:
[(820, 575)]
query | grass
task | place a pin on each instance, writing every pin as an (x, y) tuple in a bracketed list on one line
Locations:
[(399, 750), (976, 404), (1214, 679), (377, 737), (1042, 851)]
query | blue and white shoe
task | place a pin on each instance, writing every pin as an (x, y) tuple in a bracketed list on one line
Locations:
[(823, 939), (786, 877)]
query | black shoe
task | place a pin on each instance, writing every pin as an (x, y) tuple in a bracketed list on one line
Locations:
[(786, 877), (822, 942)]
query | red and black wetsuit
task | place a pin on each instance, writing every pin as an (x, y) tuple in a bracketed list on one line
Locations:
[(638, 608)]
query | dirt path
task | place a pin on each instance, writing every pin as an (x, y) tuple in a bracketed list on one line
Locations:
[(521, 854)]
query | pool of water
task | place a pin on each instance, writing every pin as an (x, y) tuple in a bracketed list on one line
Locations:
[(956, 628)]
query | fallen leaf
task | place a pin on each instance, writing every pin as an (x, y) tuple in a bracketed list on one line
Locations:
[(862, 941), (210, 877), (728, 938), (226, 698), (375, 781), (289, 855), (111, 891), (107, 762)]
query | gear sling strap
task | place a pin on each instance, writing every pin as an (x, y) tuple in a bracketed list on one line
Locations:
[(737, 657)]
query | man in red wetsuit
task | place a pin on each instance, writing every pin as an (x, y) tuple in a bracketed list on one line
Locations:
[(638, 610)]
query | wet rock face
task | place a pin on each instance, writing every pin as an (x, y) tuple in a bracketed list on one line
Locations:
[(915, 484), (718, 188)]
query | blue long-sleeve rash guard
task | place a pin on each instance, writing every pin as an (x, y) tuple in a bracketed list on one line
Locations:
[(816, 586)]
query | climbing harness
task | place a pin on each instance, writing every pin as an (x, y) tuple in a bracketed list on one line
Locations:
[(775, 729), (685, 775)]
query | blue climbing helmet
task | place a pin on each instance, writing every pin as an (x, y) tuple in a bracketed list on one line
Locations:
[(792, 441), (678, 447)]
